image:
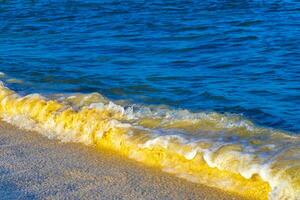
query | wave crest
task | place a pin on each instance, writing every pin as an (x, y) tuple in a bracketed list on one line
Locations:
[(224, 151)]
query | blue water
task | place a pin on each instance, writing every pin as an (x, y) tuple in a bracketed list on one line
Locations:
[(229, 56)]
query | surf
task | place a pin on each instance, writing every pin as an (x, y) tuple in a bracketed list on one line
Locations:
[(223, 151)]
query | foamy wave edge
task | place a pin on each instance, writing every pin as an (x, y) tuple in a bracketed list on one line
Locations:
[(229, 153)]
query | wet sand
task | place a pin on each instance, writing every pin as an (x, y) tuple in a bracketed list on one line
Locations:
[(34, 167)]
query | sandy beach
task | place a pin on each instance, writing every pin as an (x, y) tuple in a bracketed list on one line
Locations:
[(34, 167)]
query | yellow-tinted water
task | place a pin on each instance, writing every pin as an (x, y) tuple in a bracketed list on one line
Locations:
[(222, 151)]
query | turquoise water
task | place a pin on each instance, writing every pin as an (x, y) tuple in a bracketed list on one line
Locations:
[(238, 57)]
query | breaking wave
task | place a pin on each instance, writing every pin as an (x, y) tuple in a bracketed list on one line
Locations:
[(219, 150)]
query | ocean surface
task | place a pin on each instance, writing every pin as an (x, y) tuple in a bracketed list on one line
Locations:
[(231, 56), (220, 79)]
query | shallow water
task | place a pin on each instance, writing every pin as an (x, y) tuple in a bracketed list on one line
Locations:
[(227, 56)]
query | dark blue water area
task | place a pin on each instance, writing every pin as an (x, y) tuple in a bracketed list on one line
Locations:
[(229, 56)]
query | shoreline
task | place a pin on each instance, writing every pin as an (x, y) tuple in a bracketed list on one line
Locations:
[(34, 167)]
